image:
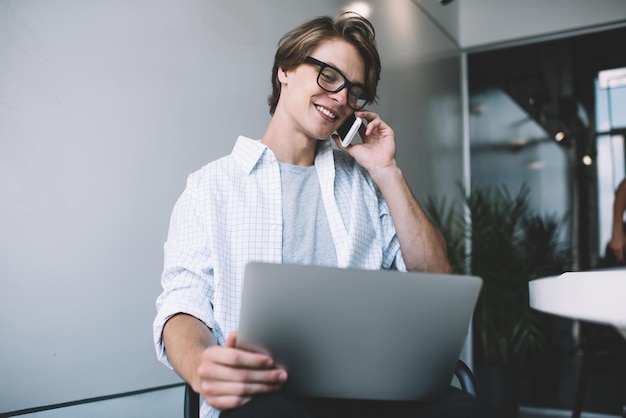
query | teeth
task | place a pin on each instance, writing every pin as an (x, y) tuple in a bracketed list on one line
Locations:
[(326, 112)]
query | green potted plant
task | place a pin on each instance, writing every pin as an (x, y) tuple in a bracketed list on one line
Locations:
[(495, 236)]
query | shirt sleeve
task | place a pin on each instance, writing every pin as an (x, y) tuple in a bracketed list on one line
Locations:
[(392, 254), (187, 278)]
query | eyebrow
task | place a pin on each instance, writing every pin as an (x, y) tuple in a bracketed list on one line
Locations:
[(334, 66)]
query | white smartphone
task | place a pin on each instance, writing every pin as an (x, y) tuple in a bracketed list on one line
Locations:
[(348, 129)]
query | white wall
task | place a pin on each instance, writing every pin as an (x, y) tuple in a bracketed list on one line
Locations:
[(105, 107), (420, 92)]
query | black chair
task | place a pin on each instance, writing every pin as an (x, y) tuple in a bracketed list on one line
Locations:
[(466, 378), (192, 402), (463, 374), (604, 351)]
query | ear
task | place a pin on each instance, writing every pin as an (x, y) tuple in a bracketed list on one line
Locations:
[(283, 75)]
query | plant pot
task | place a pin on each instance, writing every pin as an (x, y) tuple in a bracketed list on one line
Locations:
[(544, 378), (500, 387)]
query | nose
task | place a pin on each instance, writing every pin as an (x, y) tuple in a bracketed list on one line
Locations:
[(340, 96)]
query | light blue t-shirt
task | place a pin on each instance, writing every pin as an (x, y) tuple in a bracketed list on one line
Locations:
[(306, 232)]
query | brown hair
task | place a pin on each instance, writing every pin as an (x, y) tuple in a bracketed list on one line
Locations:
[(298, 43)]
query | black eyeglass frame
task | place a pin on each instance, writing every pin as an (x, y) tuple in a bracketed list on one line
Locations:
[(346, 83)]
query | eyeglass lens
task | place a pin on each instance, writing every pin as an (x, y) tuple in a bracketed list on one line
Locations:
[(332, 81)]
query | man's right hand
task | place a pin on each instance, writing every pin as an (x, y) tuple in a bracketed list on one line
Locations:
[(228, 376)]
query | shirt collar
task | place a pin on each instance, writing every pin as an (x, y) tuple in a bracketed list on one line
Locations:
[(248, 152)]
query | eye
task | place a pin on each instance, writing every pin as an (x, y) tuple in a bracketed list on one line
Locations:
[(331, 76), (356, 93)]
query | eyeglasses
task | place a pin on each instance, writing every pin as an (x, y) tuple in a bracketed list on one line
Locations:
[(332, 80)]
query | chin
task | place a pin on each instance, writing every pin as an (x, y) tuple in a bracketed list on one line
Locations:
[(320, 136)]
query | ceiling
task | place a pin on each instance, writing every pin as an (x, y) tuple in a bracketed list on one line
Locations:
[(473, 24)]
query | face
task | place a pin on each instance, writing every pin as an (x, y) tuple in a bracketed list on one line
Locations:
[(316, 112)]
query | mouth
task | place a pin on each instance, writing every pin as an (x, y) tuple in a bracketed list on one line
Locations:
[(326, 112)]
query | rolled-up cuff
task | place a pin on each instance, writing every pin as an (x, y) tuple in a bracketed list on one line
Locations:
[(166, 311)]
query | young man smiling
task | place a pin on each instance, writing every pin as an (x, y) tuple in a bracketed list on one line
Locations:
[(292, 198)]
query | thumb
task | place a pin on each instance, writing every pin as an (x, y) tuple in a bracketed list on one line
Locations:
[(231, 340), (336, 138)]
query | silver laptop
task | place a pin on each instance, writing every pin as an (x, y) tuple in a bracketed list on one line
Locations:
[(348, 333)]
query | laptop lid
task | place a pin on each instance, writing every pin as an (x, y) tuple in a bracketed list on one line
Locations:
[(349, 333)]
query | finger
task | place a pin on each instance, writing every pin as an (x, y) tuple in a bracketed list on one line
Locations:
[(231, 340), (376, 123), (218, 372), (236, 358), (238, 389), (226, 395), (226, 402), (366, 114)]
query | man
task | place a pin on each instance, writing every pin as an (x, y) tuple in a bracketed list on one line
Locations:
[(290, 198)]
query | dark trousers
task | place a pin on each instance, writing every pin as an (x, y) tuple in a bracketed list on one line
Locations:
[(454, 404)]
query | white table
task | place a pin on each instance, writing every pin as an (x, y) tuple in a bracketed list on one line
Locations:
[(595, 296)]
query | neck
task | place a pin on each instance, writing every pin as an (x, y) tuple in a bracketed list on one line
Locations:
[(288, 145)]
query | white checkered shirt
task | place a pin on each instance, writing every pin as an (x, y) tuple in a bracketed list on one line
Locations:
[(230, 213)]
